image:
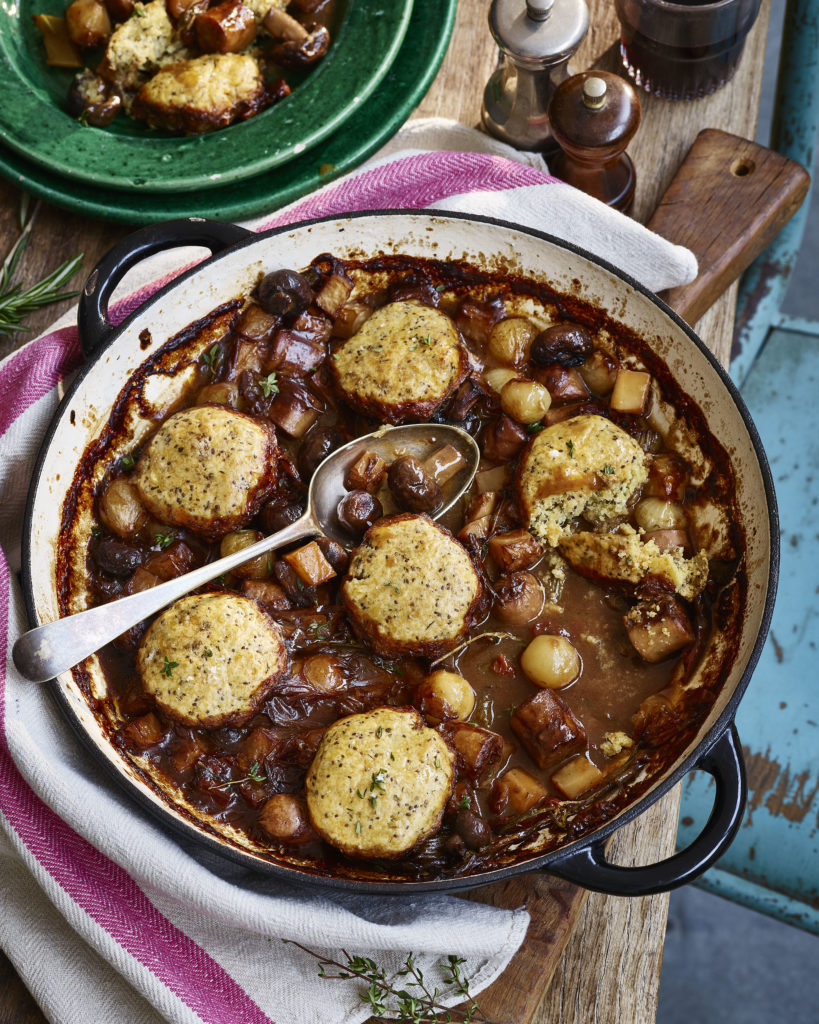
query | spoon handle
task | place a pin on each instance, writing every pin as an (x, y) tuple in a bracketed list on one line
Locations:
[(45, 652)]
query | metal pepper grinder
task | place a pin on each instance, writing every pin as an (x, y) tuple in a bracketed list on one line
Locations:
[(537, 38), (594, 116)]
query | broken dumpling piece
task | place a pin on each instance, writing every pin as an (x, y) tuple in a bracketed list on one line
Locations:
[(205, 93), (379, 783), (211, 659), (624, 557), (402, 364), (584, 466)]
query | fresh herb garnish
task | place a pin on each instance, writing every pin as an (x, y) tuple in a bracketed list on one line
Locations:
[(358, 833), (128, 462), (570, 446), (208, 653), (17, 302), (379, 732), (534, 428), (419, 1006), (168, 667), (608, 469), (437, 761), (440, 287), (396, 589), (494, 637), (211, 357), (269, 385), (378, 778), (466, 803), (253, 775), (164, 539)]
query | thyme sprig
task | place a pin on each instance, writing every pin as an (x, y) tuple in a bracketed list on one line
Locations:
[(494, 637), (422, 1005), (17, 302)]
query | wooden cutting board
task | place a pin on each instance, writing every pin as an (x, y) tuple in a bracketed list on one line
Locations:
[(727, 201)]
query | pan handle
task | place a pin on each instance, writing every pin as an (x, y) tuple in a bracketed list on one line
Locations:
[(589, 868), (92, 314)]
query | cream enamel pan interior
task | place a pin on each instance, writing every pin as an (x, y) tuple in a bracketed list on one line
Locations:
[(484, 242)]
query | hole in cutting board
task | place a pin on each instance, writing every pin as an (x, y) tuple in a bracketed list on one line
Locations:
[(742, 167)]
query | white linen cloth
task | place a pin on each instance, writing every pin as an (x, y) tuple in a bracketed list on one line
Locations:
[(106, 917)]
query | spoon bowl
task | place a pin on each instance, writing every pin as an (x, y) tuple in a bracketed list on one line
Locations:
[(46, 651)]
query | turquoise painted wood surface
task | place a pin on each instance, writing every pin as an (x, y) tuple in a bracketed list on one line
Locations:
[(773, 864)]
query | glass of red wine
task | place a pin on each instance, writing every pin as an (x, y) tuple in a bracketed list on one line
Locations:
[(686, 49)]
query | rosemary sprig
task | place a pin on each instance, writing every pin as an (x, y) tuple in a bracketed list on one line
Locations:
[(421, 1006), (17, 302)]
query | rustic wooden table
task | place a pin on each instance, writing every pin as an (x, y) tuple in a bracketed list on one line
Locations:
[(610, 968)]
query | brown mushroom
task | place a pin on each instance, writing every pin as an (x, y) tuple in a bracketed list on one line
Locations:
[(298, 45)]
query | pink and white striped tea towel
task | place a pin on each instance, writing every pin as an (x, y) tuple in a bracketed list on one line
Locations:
[(106, 918)]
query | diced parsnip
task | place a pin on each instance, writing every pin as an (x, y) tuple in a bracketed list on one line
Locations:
[(334, 293), (511, 339), (525, 401), (496, 379), (324, 672), (494, 479), (256, 324), (576, 777), (366, 473), (516, 791), (514, 550), (310, 565), (563, 383), (630, 391), (658, 514), (667, 540), (221, 393), (481, 505), (599, 372), (351, 318), (443, 464), (258, 568), (479, 748), (121, 509), (478, 528), (266, 592), (658, 628), (60, 51)]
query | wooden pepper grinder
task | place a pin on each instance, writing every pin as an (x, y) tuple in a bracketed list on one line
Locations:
[(593, 117)]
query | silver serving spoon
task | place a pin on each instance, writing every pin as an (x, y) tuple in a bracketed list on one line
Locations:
[(45, 652)]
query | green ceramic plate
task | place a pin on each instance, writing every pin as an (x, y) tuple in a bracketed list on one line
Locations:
[(379, 118), (129, 155)]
